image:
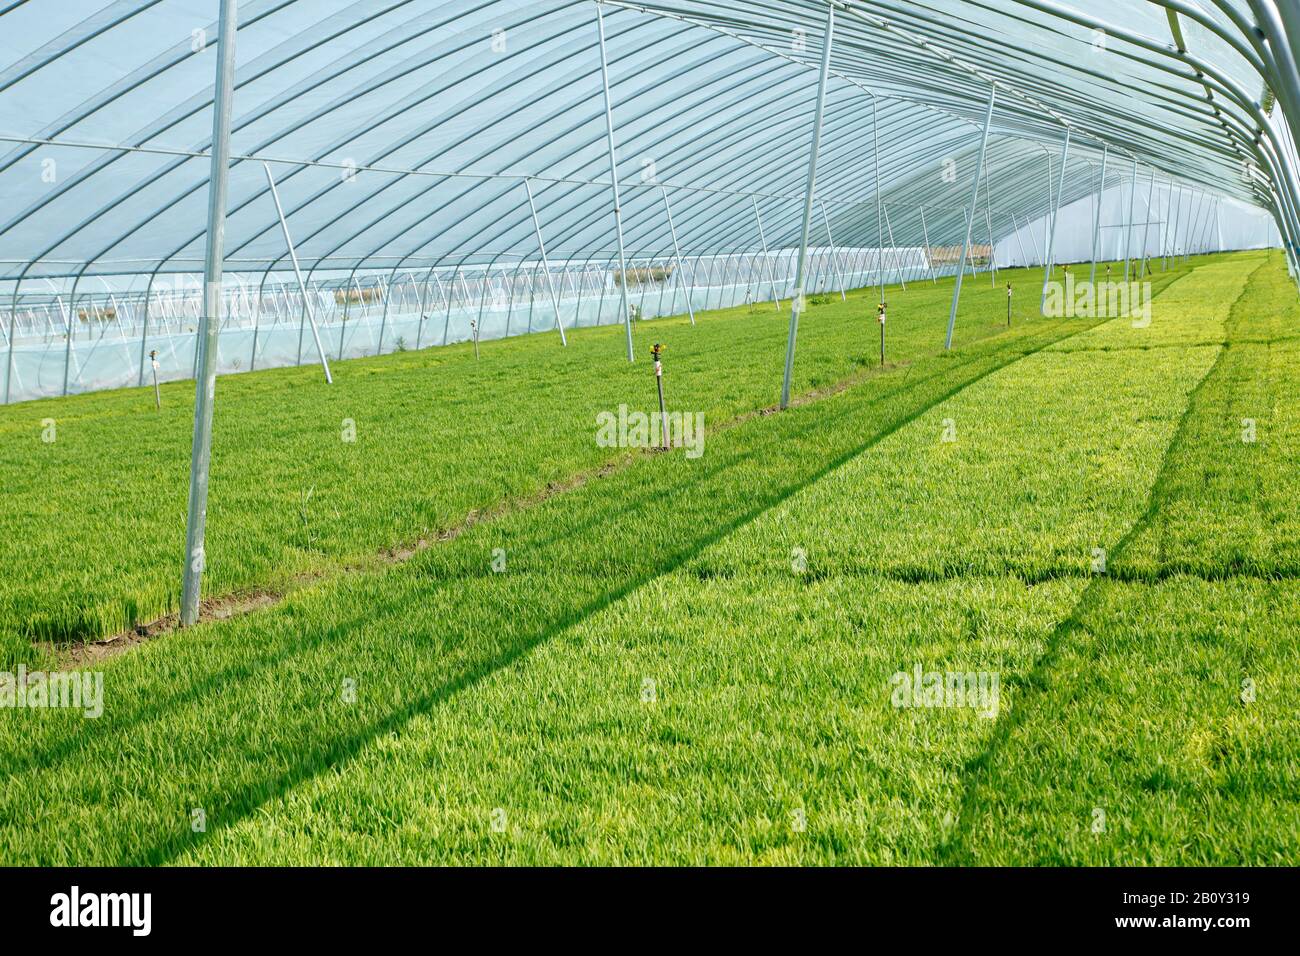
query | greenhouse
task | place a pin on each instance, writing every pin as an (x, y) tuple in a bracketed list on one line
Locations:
[(941, 358), (393, 170)]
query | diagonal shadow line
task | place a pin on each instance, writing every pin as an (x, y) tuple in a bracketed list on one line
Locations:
[(240, 803), (979, 350), (34, 758), (1000, 351), (954, 850), (79, 623), (1010, 352)]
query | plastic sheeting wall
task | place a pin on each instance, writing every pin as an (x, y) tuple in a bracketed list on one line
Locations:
[(1238, 227), (117, 356)]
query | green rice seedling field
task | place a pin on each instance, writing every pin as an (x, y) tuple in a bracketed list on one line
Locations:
[(94, 519), (607, 657)]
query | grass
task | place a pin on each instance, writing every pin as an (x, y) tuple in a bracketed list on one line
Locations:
[(94, 521), (1167, 700), (689, 661)]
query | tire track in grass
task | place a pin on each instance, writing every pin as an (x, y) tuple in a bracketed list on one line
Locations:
[(957, 848)]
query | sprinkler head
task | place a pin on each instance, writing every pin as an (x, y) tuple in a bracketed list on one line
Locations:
[(655, 350)]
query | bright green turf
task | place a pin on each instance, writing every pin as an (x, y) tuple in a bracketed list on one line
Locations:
[(1167, 699), (523, 691), (94, 523)]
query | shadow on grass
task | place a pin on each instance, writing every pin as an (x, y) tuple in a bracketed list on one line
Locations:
[(958, 848), (614, 534)]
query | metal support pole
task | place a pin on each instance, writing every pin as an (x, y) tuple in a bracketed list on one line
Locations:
[(302, 320), (708, 283), (546, 265), (928, 261), (880, 233), (1171, 245), (970, 225), (383, 319), (532, 300), (613, 176), (1193, 212), (423, 300), (257, 318), (988, 224), (898, 267), (1146, 226), (144, 325), (157, 393), (347, 303), (815, 146), (1207, 229), (1198, 208), (205, 388), (771, 273), (1132, 206), (72, 311), (663, 289), (1203, 224), (302, 286), (13, 330), (1046, 218), (1015, 225), (1171, 229), (1096, 215), (477, 323), (992, 266), (835, 258), (974, 196), (1056, 213), (677, 254)]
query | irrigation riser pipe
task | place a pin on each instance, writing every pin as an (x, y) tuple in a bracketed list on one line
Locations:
[(880, 317), (657, 351), (157, 395)]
